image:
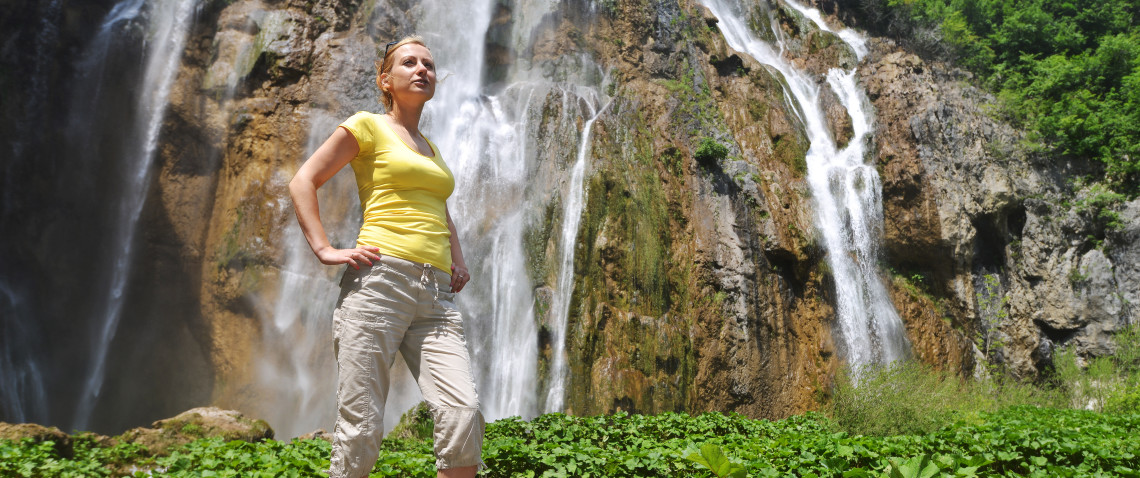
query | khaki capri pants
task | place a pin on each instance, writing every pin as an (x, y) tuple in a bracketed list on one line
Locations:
[(400, 305)]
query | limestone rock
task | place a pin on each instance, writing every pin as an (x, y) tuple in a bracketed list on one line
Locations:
[(163, 435), (968, 206), (1123, 248)]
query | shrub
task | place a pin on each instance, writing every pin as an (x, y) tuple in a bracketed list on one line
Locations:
[(710, 152), (415, 424), (1126, 401)]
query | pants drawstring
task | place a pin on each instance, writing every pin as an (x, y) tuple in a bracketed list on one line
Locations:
[(427, 276)]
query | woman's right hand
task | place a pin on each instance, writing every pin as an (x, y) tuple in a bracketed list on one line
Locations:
[(332, 256)]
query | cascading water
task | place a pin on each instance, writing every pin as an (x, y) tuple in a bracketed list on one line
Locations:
[(292, 368), (571, 217), (22, 388), (22, 394), (846, 190), (493, 150), (488, 136), (168, 26)]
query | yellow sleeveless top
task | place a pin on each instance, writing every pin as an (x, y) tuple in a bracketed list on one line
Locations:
[(403, 194)]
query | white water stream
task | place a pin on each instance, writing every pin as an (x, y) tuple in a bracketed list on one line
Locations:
[(167, 28), (845, 188), (571, 218), (22, 394)]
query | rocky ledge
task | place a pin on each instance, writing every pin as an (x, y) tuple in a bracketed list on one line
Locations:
[(161, 437)]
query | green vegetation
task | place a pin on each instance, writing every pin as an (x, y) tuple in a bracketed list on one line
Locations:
[(1100, 204), (710, 152), (628, 208), (88, 458), (1110, 383), (992, 308), (1069, 70), (884, 401), (913, 399), (1025, 441), (904, 420), (917, 285), (673, 161)]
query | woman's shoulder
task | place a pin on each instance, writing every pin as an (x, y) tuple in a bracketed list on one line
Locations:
[(364, 117), (365, 126), (364, 121)]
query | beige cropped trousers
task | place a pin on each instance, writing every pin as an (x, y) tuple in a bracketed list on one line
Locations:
[(398, 305)]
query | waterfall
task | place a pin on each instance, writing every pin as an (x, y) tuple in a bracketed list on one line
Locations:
[(487, 130), (487, 136), (295, 370), (484, 151), (495, 154), (22, 389), (168, 26), (845, 188), (22, 395), (571, 217)]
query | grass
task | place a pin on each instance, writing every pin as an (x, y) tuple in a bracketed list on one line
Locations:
[(910, 398)]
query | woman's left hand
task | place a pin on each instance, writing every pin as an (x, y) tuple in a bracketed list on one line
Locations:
[(459, 278)]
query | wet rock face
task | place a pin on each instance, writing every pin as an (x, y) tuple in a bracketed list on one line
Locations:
[(698, 284), (697, 287), (237, 127)]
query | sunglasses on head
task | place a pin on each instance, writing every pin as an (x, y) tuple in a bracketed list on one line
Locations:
[(389, 45)]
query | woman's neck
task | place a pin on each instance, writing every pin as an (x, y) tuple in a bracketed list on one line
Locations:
[(407, 116)]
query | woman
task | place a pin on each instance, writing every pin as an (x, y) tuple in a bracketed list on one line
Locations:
[(399, 284)]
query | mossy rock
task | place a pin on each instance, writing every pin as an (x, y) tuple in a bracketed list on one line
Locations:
[(191, 425), (17, 432)]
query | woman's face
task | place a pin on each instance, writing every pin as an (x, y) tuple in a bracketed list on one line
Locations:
[(412, 75)]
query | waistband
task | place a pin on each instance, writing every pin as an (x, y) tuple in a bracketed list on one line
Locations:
[(428, 275), (402, 264)]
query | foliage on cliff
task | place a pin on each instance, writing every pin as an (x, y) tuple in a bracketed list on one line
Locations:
[(1067, 70)]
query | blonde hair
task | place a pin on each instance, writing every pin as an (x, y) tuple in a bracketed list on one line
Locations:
[(385, 65)]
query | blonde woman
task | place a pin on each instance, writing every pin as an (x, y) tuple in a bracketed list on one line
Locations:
[(401, 278)]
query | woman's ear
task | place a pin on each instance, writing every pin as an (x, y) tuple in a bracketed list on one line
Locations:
[(382, 82)]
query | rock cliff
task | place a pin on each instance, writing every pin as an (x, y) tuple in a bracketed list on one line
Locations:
[(699, 282), (1007, 240)]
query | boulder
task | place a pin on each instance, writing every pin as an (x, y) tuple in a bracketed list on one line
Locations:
[(38, 433), (194, 424), (318, 434)]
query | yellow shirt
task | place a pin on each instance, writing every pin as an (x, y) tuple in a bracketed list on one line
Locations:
[(403, 194)]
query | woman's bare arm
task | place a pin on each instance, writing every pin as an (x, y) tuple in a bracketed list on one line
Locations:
[(459, 273), (336, 152)]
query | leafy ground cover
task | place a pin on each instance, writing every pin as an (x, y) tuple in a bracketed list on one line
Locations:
[(1016, 441), (906, 420)]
